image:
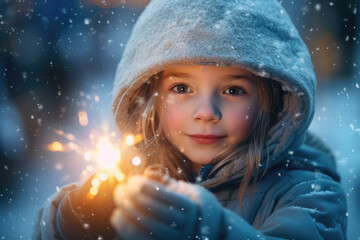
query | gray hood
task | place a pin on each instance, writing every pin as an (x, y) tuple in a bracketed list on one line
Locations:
[(256, 35)]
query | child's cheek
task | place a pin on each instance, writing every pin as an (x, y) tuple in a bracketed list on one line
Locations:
[(241, 121), (174, 113)]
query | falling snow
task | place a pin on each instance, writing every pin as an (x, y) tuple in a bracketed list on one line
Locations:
[(56, 72)]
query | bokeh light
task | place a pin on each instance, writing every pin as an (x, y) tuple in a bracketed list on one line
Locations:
[(136, 161)]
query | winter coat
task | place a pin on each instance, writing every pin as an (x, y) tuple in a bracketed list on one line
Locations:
[(300, 198), (298, 195)]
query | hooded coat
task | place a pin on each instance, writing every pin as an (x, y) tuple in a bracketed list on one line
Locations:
[(299, 195)]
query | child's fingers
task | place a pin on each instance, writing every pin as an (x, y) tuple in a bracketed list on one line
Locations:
[(156, 201), (125, 229), (145, 225), (148, 205), (160, 193), (156, 172), (119, 194), (160, 211)]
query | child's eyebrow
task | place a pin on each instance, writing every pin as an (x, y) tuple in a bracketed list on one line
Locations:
[(176, 74), (244, 76)]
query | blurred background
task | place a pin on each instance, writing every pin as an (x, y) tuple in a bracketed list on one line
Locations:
[(57, 65)]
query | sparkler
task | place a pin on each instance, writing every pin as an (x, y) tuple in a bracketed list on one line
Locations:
[(104, 152)]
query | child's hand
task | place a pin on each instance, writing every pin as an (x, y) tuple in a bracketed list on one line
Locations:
[(82, 214), (96, 205), (166, 209)]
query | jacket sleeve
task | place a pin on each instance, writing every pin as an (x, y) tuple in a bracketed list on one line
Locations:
[(308, 209), (45, 226), (73, 214)]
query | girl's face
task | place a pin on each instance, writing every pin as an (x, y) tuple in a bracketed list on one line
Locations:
[(207, 108)]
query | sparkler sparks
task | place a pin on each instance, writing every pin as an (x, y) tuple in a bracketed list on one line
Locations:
[(94, 191), (107, 155), (131, 140), (83, 118), (95, 182), (59, 147), (101, 151), (100, 178), (56, 147), (136, 161)]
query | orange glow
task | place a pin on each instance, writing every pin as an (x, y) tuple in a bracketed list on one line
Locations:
[(59, 132), (56, 147), (138, 138), (95, 182), (119, 176), (102, 154), (136, 161), (69, 136), (131, 140), (83, 118), (94, 191), (107, 155), (103, 176)]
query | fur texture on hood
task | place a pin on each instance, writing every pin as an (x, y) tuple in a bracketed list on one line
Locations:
[(255, 35)]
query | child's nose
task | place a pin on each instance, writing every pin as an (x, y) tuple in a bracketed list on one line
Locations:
[(207, 110)]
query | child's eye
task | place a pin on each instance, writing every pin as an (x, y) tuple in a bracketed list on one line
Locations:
[(181, 88), (234, 91)]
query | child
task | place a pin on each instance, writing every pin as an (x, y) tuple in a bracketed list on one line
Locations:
[(223, 94)]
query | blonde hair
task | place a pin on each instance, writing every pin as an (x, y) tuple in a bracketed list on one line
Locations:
[(142, 118)]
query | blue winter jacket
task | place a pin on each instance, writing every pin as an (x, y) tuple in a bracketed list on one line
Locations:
[(300, 198), (298, 195)]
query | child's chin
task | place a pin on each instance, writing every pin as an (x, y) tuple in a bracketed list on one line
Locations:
[(202, 159)]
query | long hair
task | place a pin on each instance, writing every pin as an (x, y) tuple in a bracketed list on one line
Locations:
[(250, 151), (143, 118)]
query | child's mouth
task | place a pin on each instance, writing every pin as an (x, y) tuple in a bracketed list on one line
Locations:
[(206, 139)]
